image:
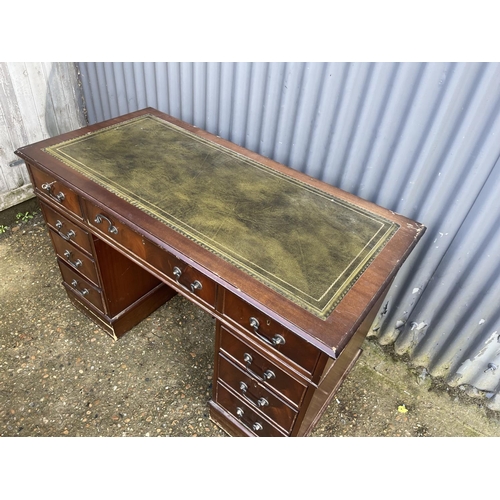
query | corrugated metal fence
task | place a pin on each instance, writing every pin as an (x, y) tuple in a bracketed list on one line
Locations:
[(420, 139)]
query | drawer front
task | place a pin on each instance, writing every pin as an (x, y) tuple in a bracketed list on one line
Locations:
[(250, 419), (255, 394), (82, 288), (52, 189), (192, 281), (75, 258), (270, 333), (113, 229), (261, 368), (67, 229), (195, 283)]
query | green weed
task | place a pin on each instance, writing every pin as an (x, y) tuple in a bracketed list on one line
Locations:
[(24, 217)]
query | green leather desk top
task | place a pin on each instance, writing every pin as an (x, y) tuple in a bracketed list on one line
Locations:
[(300, 241)]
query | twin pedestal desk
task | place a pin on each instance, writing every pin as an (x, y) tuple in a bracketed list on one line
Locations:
[(145, 206)]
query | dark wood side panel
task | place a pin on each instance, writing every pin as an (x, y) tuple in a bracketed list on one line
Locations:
[(123, 281), (142, 308), (335, 372)]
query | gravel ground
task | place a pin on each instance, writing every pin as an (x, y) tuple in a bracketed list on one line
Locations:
[(60, 375)]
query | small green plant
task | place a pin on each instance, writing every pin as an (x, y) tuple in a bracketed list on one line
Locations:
[(3, 228), (24, 217)]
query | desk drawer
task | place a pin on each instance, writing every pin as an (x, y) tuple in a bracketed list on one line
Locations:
[(270, 333), (113, 229), (190, 279), (67, 229), (251, 419), (81, 287), (260, 368), (56, 191), (255, 394), (75, 258)]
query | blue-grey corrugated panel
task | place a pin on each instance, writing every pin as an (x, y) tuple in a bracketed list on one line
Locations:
[(421, 139)]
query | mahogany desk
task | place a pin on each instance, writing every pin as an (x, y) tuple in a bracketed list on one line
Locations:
[(144, 206)]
